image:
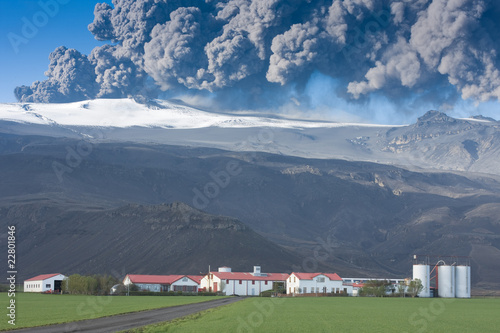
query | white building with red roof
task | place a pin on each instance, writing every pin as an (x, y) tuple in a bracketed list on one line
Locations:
[(44, 283), (162, 283), (315, 283), (241, 283)]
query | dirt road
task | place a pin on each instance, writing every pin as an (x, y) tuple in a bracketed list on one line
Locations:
[(130, 320)]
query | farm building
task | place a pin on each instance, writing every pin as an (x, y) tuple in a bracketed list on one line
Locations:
[(241, 283), (355, 284), (309, 283), (44, 283), (159, 283), (187, 283)]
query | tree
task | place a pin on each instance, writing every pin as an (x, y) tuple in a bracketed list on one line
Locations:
[(89, 285), (222, 286), (401, 288), (415, 287), (376, 288), (279, 287)]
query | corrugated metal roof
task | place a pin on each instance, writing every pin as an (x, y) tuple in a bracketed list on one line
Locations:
[(153, 279), (250, 276), (42, 277), (310, 276), (196, 278)]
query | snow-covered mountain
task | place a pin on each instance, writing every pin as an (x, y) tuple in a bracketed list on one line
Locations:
[(434, 142)]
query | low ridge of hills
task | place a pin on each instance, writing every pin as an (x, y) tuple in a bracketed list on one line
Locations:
[(161, 239)]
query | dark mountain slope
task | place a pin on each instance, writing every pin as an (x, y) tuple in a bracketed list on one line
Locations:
[(162, 239), (358, 217)]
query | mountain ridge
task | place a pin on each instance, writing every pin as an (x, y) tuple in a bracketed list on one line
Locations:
[(435, 141)]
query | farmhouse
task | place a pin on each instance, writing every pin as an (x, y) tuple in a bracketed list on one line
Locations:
[(159, 283), (308, 283), (241, 283), (44, 283)]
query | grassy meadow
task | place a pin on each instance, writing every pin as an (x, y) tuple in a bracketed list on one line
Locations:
[(350, 314), (33, 309)]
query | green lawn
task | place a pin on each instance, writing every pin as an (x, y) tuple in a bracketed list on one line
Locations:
[(36, 309), (350, 314)]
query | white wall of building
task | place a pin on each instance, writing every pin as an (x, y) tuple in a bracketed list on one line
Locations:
[(210, 282), (42, 285), (318, 284), (246, 286), (184, 284)]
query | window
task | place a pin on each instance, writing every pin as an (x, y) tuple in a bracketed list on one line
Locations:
[(253, 281), (47, 285), (241, 282), (227, 281), (294, 279), (320, 279), (305, 290), (266, 283)]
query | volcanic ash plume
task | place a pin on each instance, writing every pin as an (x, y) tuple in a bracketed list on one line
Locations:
[(440, 49)]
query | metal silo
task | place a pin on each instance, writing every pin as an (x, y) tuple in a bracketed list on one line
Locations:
[(422, 272), (446, 281), (462, 281)]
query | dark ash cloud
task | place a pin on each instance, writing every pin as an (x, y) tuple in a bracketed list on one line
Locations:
[(395, 49)]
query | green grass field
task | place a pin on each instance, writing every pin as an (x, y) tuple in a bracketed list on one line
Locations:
[(351, 314), (37, 309)]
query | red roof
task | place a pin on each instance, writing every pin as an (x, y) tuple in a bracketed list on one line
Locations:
[(250, 276), (196, 278), (159, 279), (310, 276), (42, 277)]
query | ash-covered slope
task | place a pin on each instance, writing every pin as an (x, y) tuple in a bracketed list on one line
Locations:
[(161, 239), (357, 217), (446, 143)]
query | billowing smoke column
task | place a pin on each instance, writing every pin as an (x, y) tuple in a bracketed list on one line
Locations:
[(435, 49)]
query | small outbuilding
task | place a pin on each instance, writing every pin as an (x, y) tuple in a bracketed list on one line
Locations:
[(44, 283)]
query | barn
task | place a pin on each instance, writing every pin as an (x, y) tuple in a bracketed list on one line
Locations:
[(44, 283)]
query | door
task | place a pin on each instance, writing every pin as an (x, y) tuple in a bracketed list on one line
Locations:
[(215, 287)]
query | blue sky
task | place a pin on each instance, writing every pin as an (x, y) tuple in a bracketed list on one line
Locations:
[(64, 23)]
